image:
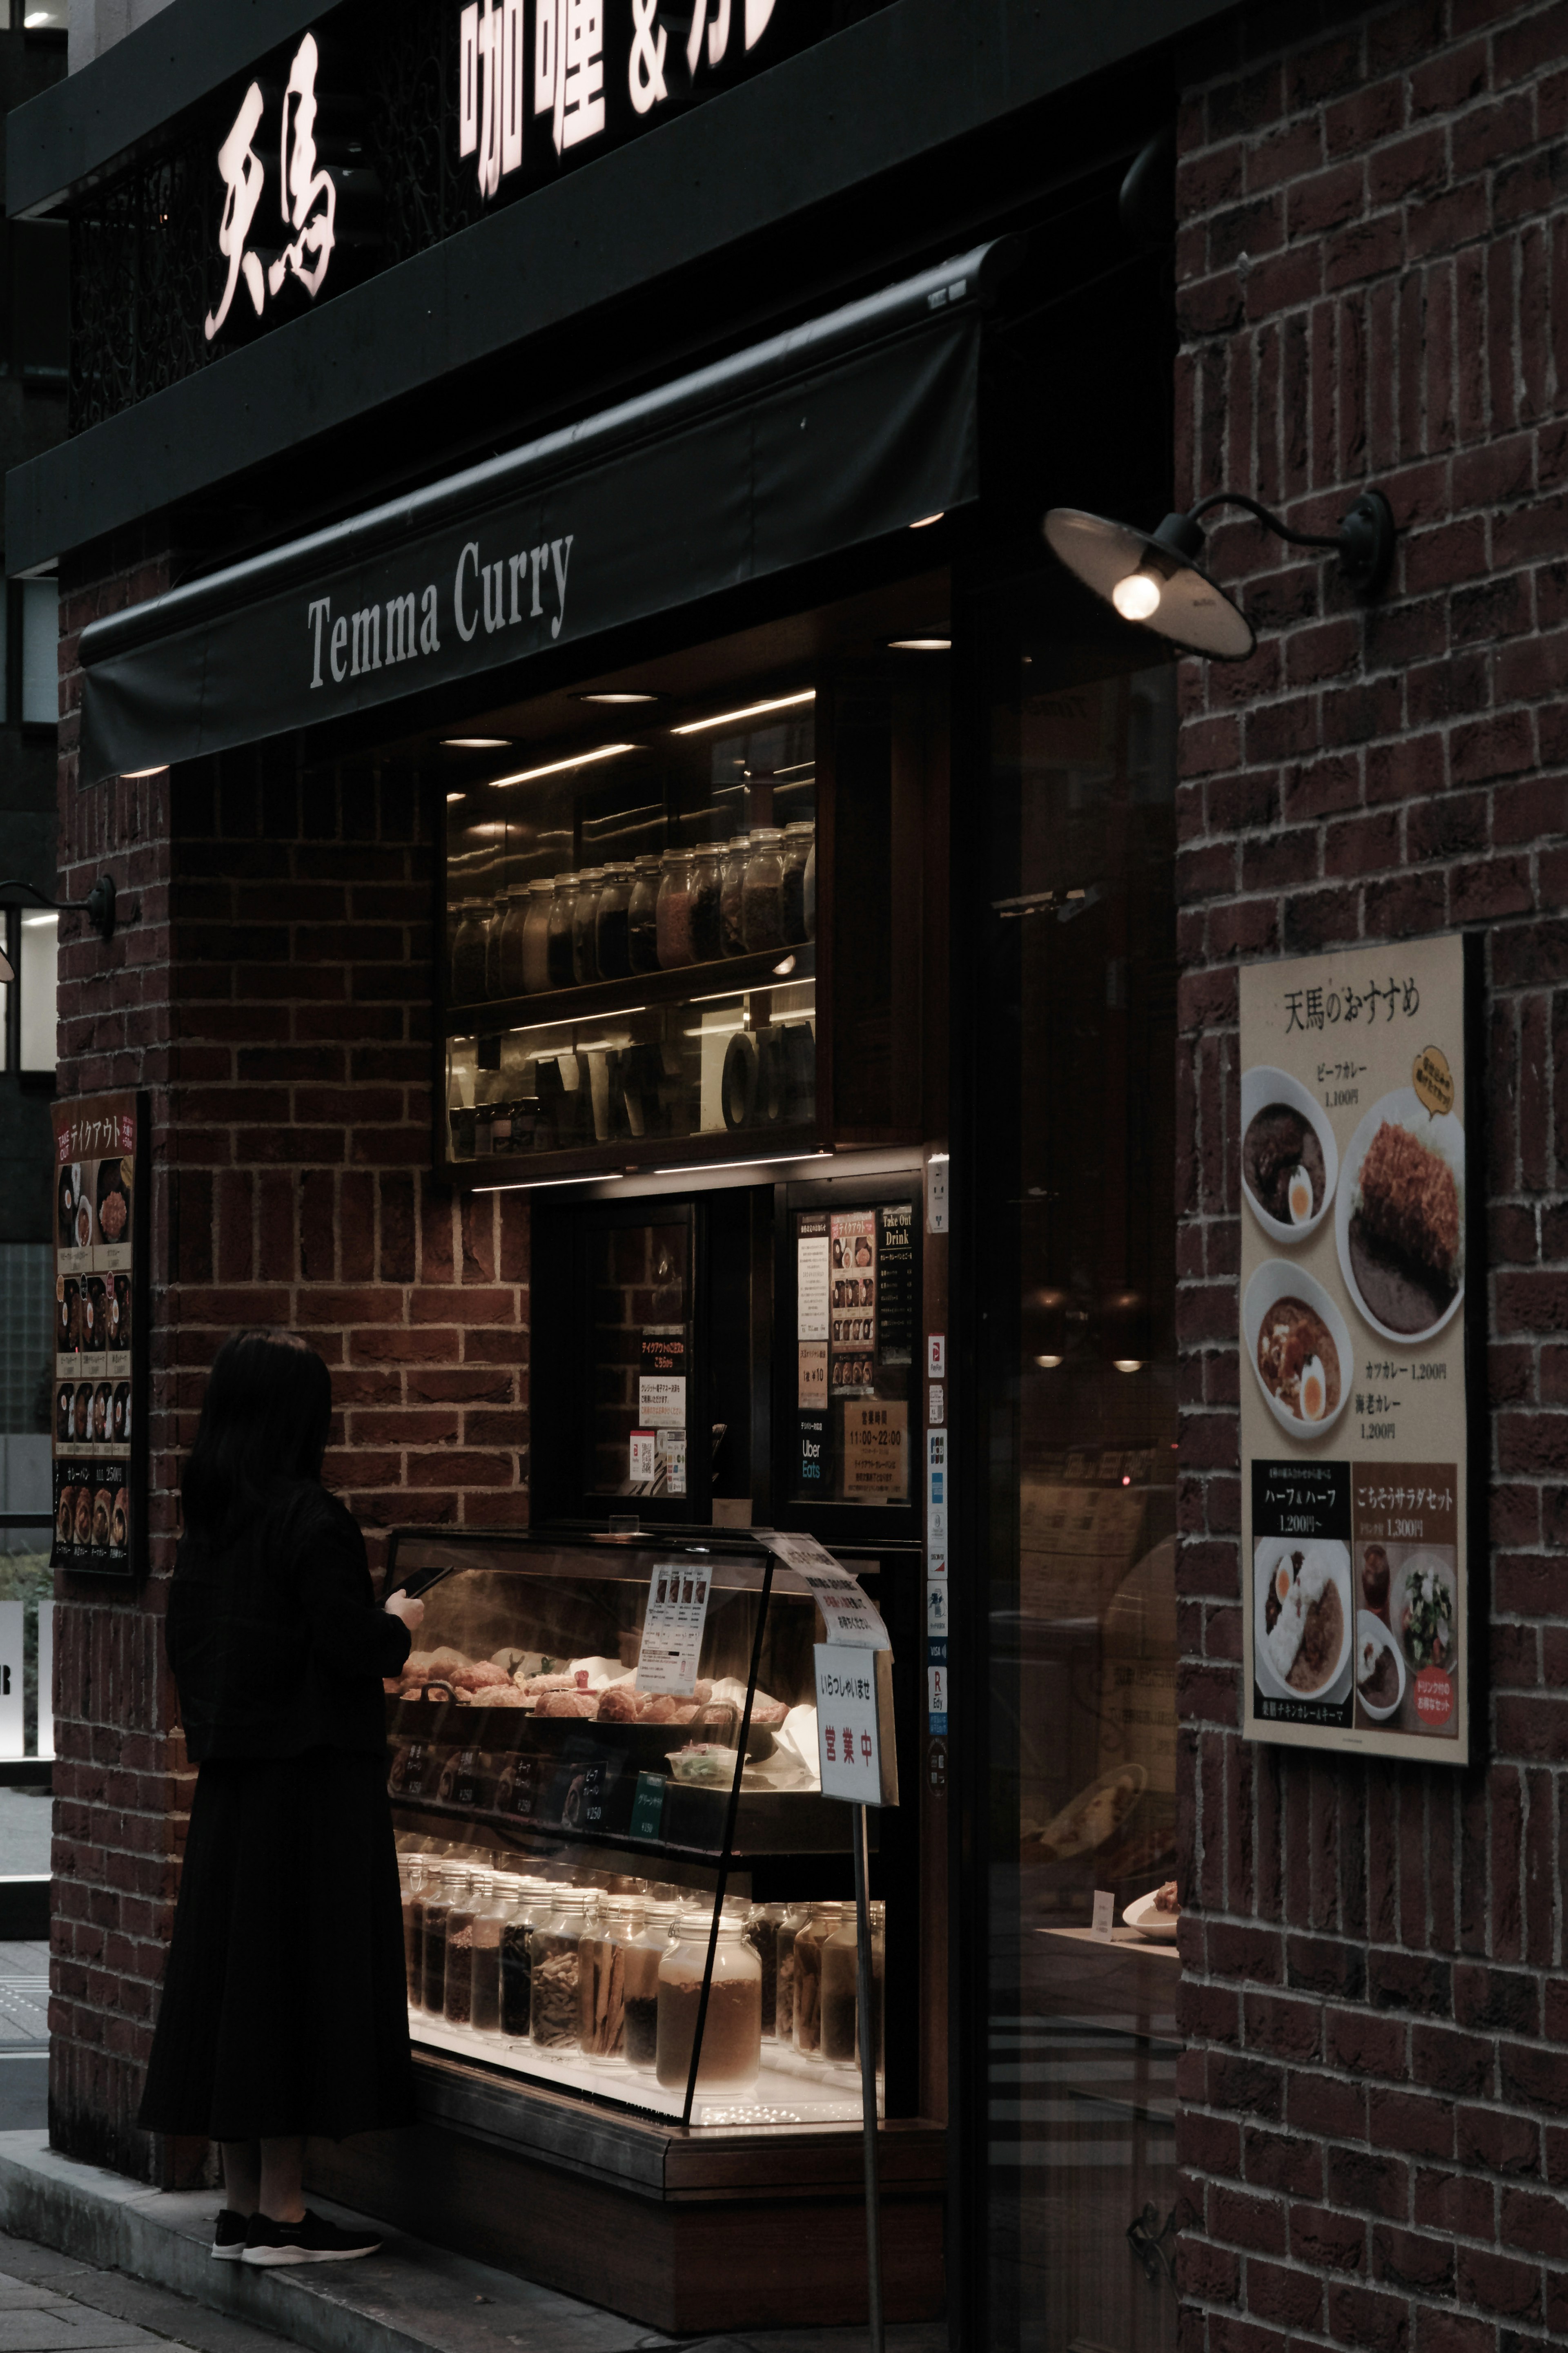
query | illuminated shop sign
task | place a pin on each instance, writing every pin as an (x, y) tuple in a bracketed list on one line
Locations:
[(578, 48), (308, 199)]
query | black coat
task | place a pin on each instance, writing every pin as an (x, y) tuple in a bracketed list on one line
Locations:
[(276, 1644)]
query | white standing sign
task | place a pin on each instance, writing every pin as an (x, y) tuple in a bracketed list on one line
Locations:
[(854, 1725), (13, 1734), (46, 1678), (672, 1629)]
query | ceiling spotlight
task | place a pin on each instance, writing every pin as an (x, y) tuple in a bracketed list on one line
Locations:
[(1047, 1363), (1155, 578), (926, 522), (920, 645), (1127, 1364), (475, 743), (158, 771), (617, 694), (785, 967), (456, 797)]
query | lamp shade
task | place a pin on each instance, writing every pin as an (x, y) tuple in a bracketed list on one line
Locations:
[(1152, 579)]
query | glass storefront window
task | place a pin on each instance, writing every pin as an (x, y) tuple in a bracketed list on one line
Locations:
[(1078, 1075)]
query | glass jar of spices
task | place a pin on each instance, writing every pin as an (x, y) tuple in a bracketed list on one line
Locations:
[(553, 1955), (611, 944), (536, 937), (413, 1878), (762, 900), (457, 2007), (641, 916), (528, 1906), (509, 949), (825, 1918), (490, 1919), (731, 894), (468, 953), (799, 840), (763, 1936), (643, 1951), (707, 936), (732, 2051), (602, 1980), (495, 923), (674, 909), (794, 1919), (840, 2013), (585, 915), (562, 903), (451, 1883)]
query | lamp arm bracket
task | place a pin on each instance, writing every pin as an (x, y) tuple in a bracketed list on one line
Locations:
[(98, 905), (1265, 516)]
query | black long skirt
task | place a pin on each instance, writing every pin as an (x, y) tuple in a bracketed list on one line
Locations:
[(284, 2007)]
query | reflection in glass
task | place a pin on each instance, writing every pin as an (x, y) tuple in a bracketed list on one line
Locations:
[(1079, 1061)]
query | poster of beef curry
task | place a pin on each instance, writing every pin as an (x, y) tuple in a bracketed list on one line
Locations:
[(1355, 1282), (99, 1385)]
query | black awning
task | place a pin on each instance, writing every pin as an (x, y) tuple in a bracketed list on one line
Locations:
[(835, 434)]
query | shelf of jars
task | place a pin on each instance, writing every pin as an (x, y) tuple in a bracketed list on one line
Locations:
[(592, 1982)]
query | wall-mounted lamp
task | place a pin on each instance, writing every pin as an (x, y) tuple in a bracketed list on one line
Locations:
[(98, 906), (1154, 577)]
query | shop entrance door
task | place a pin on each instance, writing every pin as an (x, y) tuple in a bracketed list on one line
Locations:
[(1070, 1270)]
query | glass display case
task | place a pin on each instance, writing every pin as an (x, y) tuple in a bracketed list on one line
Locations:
[(603, 1773)]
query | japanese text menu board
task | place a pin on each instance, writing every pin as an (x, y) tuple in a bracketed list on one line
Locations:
[(855, 1334), (1355, 1294), (99, 1385)]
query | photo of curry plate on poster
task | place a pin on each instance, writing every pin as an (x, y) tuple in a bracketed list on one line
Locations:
[(96, 1410), (1353, 1417)]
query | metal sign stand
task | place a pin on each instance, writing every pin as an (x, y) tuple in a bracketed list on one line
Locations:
[(865, 1988)]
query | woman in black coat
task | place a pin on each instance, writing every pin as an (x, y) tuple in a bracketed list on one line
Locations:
[(283, 2010)]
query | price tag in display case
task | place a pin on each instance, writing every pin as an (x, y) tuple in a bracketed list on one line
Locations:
[(98, 1180)]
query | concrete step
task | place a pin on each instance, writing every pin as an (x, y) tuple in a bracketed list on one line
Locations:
[(410, 2297)]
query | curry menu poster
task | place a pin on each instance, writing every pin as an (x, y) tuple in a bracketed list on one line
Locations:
[(97, 1395), (1354, 1476)]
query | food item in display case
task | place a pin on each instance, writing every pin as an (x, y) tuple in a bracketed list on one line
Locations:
[(1298, 1360), (583, 1705), (732, 2051), (1282, 1161), (704, 1763)]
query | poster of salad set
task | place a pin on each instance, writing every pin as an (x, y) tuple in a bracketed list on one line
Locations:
[(99, 1177), (1355, 1476)]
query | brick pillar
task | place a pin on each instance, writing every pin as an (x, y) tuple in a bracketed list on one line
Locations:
[(1373, 287), (271, 989)]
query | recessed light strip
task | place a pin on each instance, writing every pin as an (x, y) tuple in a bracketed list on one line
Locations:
[(543, 1184), (560, 767), (749, 710), (727, 1167)]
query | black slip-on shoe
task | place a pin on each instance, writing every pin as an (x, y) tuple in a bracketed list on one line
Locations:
[(228, 2236), (311, 2239)]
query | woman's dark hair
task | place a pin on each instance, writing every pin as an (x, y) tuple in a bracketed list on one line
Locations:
[(265, 1418)]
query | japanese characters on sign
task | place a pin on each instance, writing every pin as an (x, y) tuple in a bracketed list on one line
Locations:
[(854, 1742), (672, 1628), (855, 1346), (97, 1407), (1355, 1476), (581, 52), (262, 253)]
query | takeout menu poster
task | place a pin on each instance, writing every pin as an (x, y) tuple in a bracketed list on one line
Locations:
[(94, 1130)]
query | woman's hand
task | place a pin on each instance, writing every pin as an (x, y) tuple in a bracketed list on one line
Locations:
[(398, 1604)]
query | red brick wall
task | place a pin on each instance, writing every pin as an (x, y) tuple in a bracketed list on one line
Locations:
[(1373, 286), (270, 987)]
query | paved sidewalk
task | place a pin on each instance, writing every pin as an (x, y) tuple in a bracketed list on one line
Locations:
[(50, 2304), (411, 2297)]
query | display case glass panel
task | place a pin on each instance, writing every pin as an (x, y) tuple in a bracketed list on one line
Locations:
[(601, 1753)]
